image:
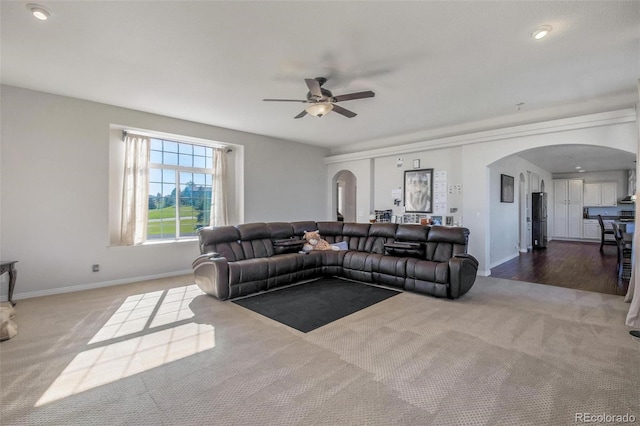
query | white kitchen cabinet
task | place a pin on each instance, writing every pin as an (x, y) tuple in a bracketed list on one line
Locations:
[(592, 194), (609, 194), (567, 208), (591, 229), (600, 194)]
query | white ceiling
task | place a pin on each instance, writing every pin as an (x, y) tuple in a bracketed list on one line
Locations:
[(437, 68), (565, 158)]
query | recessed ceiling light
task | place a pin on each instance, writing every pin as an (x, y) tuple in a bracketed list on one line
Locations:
[(581, 171), (38, 11), (541, 32), (578, 167)]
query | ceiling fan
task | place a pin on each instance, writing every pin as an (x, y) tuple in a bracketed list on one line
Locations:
[(321, 101)]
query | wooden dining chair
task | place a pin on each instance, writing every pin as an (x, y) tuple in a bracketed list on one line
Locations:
[(603, 233), (623, 266)]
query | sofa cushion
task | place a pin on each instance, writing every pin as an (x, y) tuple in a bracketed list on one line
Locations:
[(355, 234), (391, 271), (222, 240), (280, 230), (248, 270), (443, 243), (412, 233), (331, 231), (283, 239), (299, 228), (379, 235), (427, 270), (285, 264), (358, 265), (255, 239)]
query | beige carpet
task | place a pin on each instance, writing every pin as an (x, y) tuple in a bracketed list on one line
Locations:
[(161, 353)]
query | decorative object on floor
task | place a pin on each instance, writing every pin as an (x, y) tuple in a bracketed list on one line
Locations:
[(506, 189), (308, 306), (8, 327), (418, 191)]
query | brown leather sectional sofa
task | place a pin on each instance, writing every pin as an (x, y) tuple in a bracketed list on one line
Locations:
[(240, 260)]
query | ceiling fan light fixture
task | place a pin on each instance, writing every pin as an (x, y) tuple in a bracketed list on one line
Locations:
[(319, 109), (38, 11), (541, 32)]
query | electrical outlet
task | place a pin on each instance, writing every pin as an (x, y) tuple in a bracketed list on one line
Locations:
[(95, 268)]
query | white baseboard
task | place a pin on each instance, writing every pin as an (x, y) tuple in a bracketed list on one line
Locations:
[(506, 259), (90, 286), (483, 273)]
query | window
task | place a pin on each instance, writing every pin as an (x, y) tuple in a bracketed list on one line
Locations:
[(180, 188)]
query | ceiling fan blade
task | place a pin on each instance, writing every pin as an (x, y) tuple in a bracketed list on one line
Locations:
[(343, 111), (302, 114), (351, 96), (284, 100), (314, 87)]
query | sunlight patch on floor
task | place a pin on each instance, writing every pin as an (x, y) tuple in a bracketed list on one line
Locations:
[(149, 316)]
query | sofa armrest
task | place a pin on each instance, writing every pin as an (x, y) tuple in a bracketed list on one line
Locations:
[(211, 273), (463, 269)]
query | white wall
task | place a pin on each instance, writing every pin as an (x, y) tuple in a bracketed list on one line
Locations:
[(362, 170), (478, 156), (504, 218), (387, 177), (469, 156), (55, 190)]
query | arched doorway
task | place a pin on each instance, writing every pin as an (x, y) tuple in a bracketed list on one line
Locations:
[(344, 196)]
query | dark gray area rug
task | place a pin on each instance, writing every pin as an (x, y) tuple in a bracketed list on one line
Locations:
[(308, 306)]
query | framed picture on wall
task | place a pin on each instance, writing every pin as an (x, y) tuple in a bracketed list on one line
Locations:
[(506, 189), (418, 191)]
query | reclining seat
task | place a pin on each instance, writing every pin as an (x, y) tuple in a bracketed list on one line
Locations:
[(356, 264), (447, 270), (288, 266), (219, 245), (332, 260), (390, 270), (252, 274), (312, 262)]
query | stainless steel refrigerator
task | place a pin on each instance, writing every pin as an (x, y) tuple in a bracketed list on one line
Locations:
[(539, 219)]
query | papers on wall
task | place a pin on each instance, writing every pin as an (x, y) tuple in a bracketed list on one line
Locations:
[(440, 192)]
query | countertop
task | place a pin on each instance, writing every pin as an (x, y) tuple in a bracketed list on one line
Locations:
[(611, 218)]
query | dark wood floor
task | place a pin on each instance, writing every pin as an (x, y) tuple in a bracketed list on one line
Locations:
[(578, 265)]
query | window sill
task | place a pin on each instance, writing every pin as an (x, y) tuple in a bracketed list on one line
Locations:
[(158, 243)]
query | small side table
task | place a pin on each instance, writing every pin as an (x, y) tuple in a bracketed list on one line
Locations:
[(8, 266)]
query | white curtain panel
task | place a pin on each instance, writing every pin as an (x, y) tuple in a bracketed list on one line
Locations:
[(219, 189), (135, 193), (633, 316)]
